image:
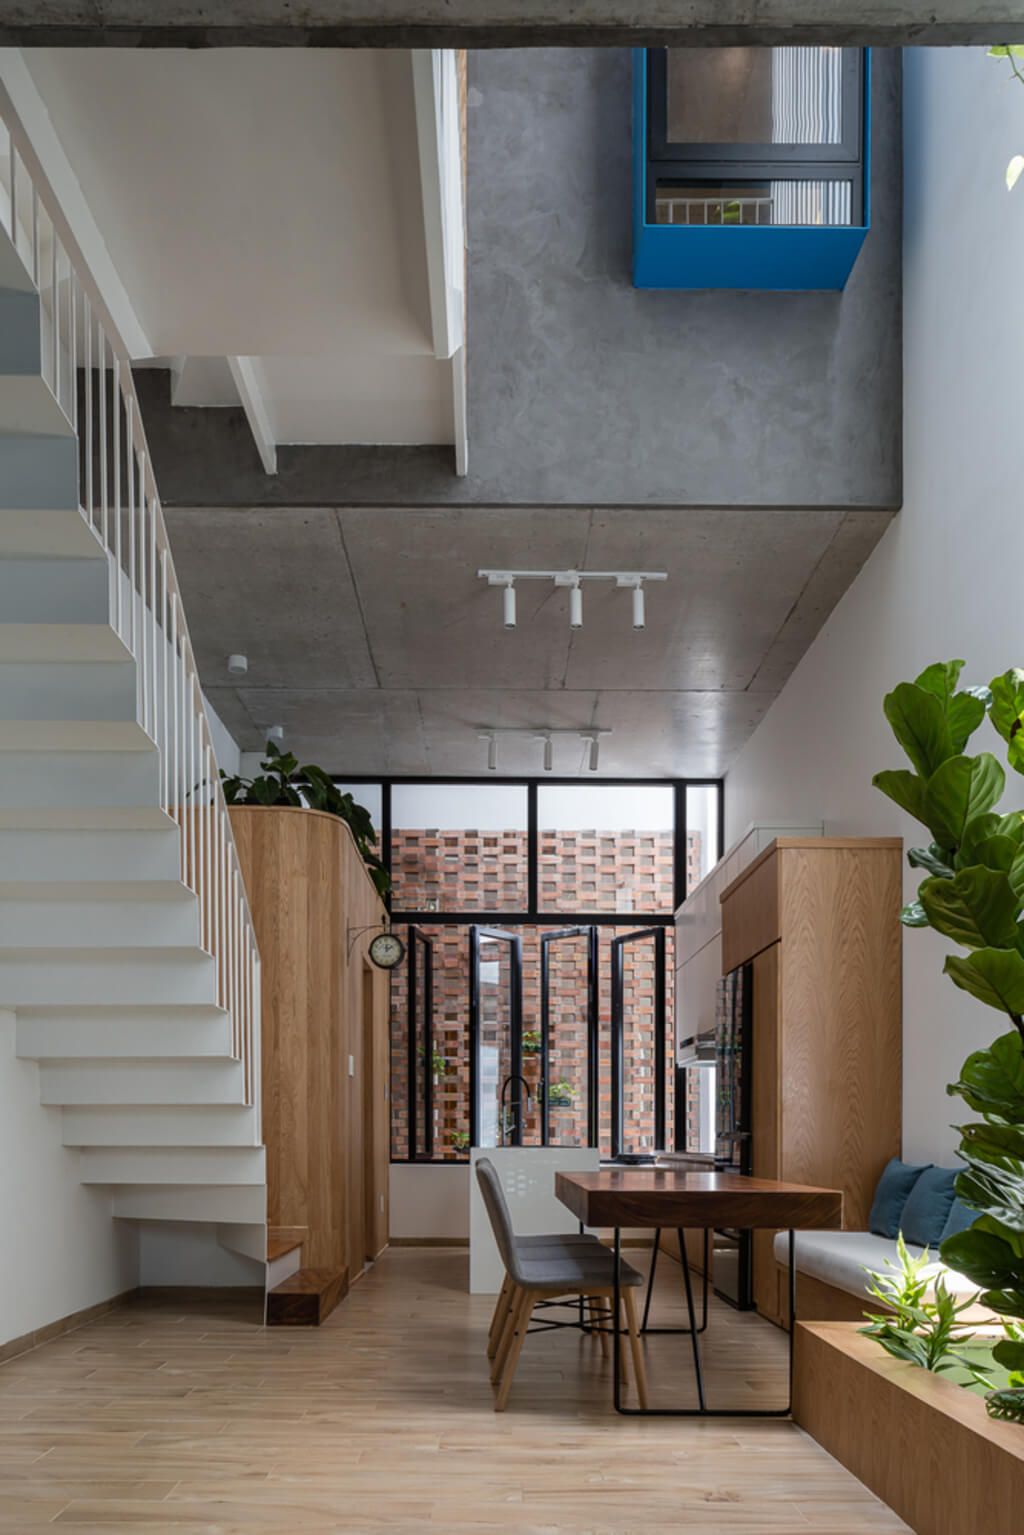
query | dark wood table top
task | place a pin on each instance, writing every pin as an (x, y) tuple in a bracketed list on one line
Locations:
[(669, 1196)]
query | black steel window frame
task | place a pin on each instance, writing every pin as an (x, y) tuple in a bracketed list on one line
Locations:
[(589, 932), (618, 1040), (419, 954), (515, 1105), (531, 916), (686, 163)]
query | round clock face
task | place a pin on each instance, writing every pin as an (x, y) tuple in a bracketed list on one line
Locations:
[(387, 951)]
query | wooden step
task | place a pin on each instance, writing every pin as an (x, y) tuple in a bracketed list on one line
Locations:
[(307, 1298), (284, 1239)]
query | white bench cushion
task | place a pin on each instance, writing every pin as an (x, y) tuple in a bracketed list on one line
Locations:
[(839, 1258)]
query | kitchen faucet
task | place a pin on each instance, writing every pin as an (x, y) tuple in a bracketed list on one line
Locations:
[(504, 1089)]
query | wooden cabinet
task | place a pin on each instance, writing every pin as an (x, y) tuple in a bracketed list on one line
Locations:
[(325, 1033), (819, 919)]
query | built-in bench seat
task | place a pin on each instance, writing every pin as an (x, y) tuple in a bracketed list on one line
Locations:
[(834, 1267)]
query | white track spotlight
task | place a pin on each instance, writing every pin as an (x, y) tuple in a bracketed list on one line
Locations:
[(238, 665), (594, 737), (491, 738), (638, 606), (276, 733), (545, 736), (509, 606), (576, 606)]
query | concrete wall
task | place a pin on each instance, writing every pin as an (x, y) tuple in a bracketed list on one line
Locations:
[(582, 389), (63, 1250), (944, 581)]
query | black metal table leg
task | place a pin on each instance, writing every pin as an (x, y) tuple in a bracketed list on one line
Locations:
[(676, 1332), (703, 1410)]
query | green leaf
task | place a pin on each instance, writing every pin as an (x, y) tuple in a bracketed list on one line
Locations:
[(1004, 1302), (975, 833), (976, 908), (994, 976), (941, 679), (906, 789), (991, 1139), (984, 1259), (992, 1081), (914, 915), (963, 716), (998, 853), (918, 722), (931, 858), (960, 789), (1007, 713)]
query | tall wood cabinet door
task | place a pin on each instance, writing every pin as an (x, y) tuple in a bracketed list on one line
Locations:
[(766, 1089)]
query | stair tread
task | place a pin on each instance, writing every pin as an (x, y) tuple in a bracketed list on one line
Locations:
[(277, 1247), (309, 1282)]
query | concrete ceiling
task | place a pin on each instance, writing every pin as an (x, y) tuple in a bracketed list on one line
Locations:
[(372, 641), (265, 204)]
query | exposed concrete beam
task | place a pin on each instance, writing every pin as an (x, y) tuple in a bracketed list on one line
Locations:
[(504, 23), (244, 375)]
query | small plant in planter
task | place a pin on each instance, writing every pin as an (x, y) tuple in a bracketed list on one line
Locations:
[(460, 1141), (284, 782), (925, 1332), (561, 1095), (531, 1042)]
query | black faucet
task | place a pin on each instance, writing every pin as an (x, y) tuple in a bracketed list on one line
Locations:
[(504, 1089)]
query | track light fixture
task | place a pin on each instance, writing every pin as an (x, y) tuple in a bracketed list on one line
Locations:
[(572, 580), (491, 737), (275, 733), (238, 665), (544, 734)]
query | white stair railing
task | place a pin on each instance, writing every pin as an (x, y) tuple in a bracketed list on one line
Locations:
[(86, 365)]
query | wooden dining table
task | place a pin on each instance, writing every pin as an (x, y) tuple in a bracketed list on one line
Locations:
[(624, 1197)]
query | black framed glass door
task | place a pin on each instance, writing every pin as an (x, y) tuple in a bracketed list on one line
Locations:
[(422, 1052), (638, 1042), (498, 1092), (567, 1042)]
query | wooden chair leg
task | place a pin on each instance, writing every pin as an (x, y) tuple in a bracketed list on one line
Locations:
[(505, 1341), (600, 1320), (524, 1311), (636, 1347), (499, 1317)]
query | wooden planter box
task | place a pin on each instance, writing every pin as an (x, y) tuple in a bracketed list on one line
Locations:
[(925, 1446)]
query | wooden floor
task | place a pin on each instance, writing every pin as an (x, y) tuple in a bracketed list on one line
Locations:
[(194, 1418)]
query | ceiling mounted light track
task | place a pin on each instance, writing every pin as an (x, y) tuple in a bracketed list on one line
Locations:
[(545, 734), (572, 579)]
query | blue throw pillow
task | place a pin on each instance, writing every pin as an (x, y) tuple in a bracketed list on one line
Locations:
[(959, 1218), (891, 1195), (928, 1205)]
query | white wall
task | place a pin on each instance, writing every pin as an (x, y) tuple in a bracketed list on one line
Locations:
[(945, 579), (62, 1248), (429, 1201), (188, 1253)]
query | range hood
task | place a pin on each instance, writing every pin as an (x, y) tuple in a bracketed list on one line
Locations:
[(697, 1050)]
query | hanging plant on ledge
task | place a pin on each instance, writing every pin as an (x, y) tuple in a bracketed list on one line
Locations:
[(974, 894), (286, 783)]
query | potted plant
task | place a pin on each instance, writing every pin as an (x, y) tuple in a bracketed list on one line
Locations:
[(532, 1042), (561, 1094), (284, 782), (460, 1141), (973, 894)]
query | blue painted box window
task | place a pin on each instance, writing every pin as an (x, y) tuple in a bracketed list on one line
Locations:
[(734, 250)]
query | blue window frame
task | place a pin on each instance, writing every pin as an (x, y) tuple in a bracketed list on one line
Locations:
[(751, 167)]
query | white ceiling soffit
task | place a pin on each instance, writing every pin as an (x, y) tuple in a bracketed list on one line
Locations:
[(253, 201)]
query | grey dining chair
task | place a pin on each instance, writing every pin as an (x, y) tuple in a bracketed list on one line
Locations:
[(549, 1268)]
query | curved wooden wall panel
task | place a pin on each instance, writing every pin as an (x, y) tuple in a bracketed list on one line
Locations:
[(307, 885)]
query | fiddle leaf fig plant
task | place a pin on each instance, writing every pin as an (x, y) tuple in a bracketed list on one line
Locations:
[(284, 782), (973, 894)]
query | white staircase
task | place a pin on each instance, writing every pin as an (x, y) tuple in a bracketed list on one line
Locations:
[(126, 948)]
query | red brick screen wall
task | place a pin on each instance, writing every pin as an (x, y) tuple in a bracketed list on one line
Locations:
[(599, 871)]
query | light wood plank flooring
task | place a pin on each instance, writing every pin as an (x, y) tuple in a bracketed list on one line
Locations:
[(193, 1418)]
